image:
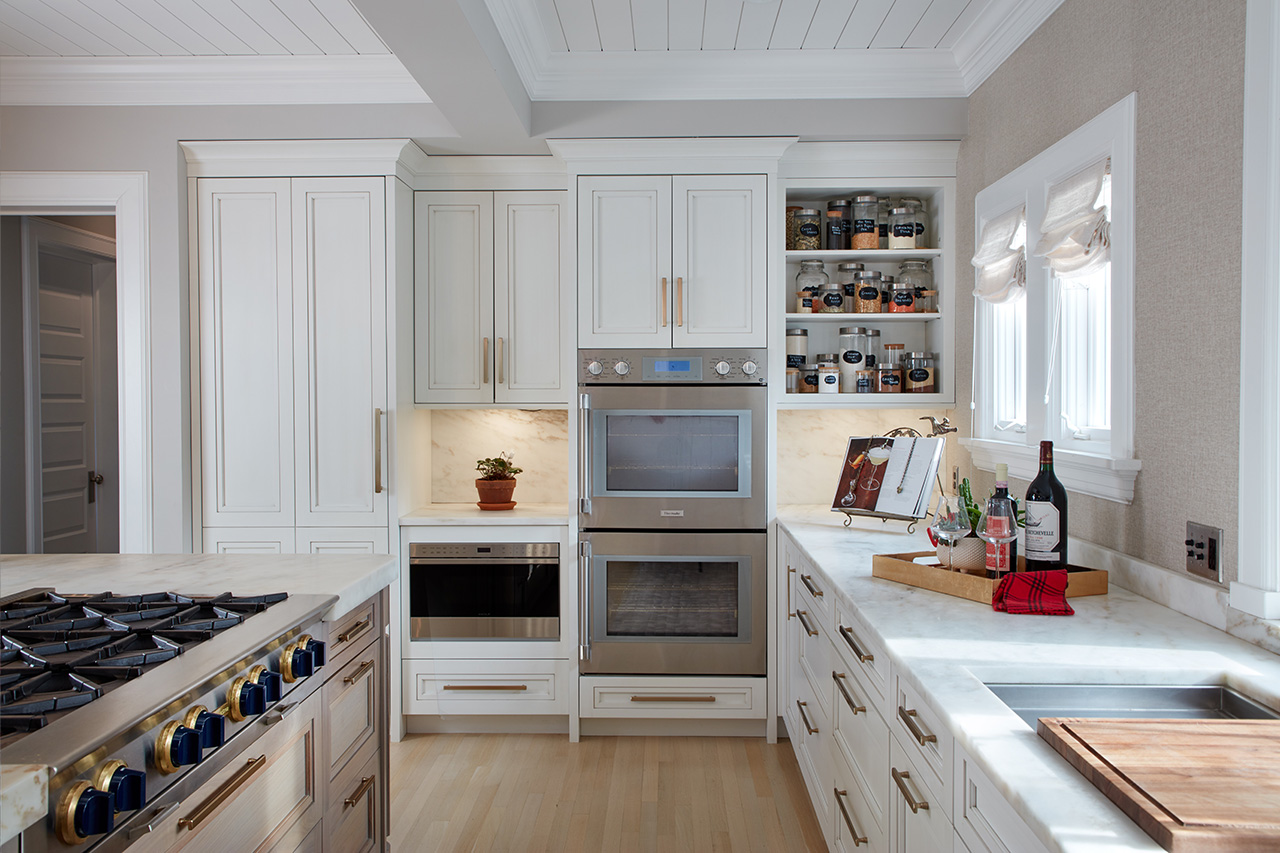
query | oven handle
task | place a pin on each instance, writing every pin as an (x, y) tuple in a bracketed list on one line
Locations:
[(584, 600), (584, 453), (488, 561)]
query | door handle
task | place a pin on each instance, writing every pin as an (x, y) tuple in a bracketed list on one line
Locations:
[(664, 302), (584, 453), (679, 300), (95, 480), (501, 363), (484, 360), (584, 601), (377, 451)]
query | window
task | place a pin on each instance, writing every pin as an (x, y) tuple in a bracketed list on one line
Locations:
[(1053, 323)]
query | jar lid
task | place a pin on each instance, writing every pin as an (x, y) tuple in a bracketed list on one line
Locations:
[(794, 207), (921, 261), (825, 356), (908, 199), (792, 333), (900, 211), (868, 275), (873, 333), (865, 199), (903, 285), (807, 211), (895, 346), (919, 355), (852, 330), (810, 263), (849, 266), (839, 202), (886, 279), (887, 366)]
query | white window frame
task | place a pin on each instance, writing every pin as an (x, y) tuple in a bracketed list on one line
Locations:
[(1101, 470)]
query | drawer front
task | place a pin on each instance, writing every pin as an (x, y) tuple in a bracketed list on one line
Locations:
[(353, 823), (924, 738), (349, 635), (862, 654), (313, 843), (811, 742), (352, 696), (813, 593), (486, 686), (853, 824), (673, 698), (983, 818), (926, 829), (862, 737), (814, 657)]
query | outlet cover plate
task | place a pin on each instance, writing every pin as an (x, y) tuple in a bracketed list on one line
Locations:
[(1204, 551)]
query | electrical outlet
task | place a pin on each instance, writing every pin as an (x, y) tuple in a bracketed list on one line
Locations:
[(1204, 551), (955, 478)]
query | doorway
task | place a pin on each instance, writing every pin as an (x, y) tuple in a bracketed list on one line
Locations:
[(68, 431)]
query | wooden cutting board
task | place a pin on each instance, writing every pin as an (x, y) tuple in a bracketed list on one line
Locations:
[(1192, 785)]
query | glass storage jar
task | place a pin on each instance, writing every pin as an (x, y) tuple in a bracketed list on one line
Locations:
[(853, 355), (889, 379), (791, 225), (874, 349), (865, 381), (808, 230), (793, 380), (927, 301), (892, 354), (830, 299), (839, 226), (868, 286), (916, 272), (828, 374), (886, 291), (902, 228), (809, 379), (797, 347), (845, 273), (903, 300), (917, 212), (865, 232), (812, 280), (918, 373), (882, 221)]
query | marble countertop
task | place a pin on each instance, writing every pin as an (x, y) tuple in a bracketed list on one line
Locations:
[(471, 515), (948, 647), (24, 797)]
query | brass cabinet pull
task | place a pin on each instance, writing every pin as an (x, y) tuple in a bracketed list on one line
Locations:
[(484, 360), (807, 580), (848, 638), (486, 687), (679, 300), (790, 571), (224, 792), (500, 362), (157, 818), (858, 838), (664, 302), (909, 719), (355, 630), (676, 698), (278, 713), (804, 623), (377, 451), (900, 779), (804, 718), (355, 676), (840, 678), (365, 784)]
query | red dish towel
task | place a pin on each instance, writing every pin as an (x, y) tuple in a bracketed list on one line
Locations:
[(1033, 592)]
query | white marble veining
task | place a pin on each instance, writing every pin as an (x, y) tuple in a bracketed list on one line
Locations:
[(468, 514), (538, 441), (24, 797), (948, 647)]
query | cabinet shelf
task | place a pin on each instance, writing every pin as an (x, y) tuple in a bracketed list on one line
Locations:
[(846, 318), (871, 255), (865, 401)]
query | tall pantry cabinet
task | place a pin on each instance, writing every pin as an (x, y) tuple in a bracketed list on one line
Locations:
[(292, 325)]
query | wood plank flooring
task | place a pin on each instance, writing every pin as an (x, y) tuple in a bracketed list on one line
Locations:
[(533, 792)]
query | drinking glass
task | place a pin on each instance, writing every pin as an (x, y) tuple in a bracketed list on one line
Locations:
[(950, 523), (997, 524)]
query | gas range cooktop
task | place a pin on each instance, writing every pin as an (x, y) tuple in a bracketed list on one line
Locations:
[(60, 652)]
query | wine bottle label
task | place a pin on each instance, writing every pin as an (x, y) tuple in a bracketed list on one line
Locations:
[(1043, 531)]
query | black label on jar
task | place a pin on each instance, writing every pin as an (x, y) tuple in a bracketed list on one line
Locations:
[(904, 229), (811, 378), (795, 360), (852, 356), (884, 297), (884, 229), (864, 385), (831, 379), (809, 229), (904, 297), (833, 300), (871, 361), (836, 227), (806, 302), (868, 292), (919, 228), (864, 226), (919, 293), (889, 378), (918, 374), (850, 290)]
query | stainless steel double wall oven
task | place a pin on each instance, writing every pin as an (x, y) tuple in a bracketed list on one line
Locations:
[(673, 511)]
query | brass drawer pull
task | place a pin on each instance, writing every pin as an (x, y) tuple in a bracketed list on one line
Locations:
[(804, 623), (807, 580), (857, 652), (224, 792), (840, 678), (676, 698), (679, 300), (484, 358), (858, 838), (909, 719), (805, 717), (355, 630), (365, 784), (900, 779), (359, 673), (486, 687), (664, 302), (377, 451), (278, 713)]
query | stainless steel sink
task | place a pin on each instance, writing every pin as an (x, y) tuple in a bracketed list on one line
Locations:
[(1154, 701)]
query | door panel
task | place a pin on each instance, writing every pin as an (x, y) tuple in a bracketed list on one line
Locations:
[(342, 540), (339, 348), (248, 540)]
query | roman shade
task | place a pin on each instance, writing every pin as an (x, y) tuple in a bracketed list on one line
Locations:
[(1000, 260), (1075, 236)]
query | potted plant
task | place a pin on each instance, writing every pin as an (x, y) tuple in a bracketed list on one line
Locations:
[(496, 482)]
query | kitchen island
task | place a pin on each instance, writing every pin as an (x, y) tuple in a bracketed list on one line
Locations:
[(944, 650)]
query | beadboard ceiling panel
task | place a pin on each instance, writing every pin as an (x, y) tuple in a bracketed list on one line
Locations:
[(648, 20)]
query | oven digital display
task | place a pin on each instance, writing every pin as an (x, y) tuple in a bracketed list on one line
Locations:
[(670, 366), (671, 370)]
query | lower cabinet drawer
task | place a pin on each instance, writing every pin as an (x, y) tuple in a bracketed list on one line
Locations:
[(672, 698), (352, 698), (486, 686), (353, 823), (853, 826), (351, 633), (983, 818), (924, 737), (861, 739), (917, 821)]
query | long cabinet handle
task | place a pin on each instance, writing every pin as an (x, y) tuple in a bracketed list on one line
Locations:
[(790, 571), (840, 678), (858, 653), (807, 580), (584, 453), (377, 451), (359, 673), (679, 300), (804, 718), (908, 717), (858, 838), (664, 302), (365, 784), (501, 362), (673, 698), (224, 792), (516, 687), (355, 630), (484, 360), (804, 623), (900, 778), (584, 602)]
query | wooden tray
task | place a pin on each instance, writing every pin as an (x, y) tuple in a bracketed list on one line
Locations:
[(900, 568)]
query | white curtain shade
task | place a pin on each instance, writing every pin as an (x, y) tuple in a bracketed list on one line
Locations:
[(1075, 237), (1000, 261)]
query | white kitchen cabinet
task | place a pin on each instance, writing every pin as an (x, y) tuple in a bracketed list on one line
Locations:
[(341, 540), (917, 823), (488, 280), (672, 261), (249, 540)]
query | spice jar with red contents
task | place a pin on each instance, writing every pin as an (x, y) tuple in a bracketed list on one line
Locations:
[(903, 299)]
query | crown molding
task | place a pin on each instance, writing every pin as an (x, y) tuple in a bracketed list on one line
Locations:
[(302, 158), (925, 159), (491, 172), (999, 30), (206, 80), (671, 156)]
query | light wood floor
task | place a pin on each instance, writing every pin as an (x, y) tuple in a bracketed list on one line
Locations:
[(530, 792)]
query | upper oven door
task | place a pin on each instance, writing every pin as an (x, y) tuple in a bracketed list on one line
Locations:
[(663, 457)]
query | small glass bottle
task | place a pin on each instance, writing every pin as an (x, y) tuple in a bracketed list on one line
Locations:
[(918, 373), (916, 272), (853, 355), (808, 230), (903, 300), (874, 349), (867, 283), (830, 299), (886, 292), (892, 354), (828, 374), (812, 280), (865, 381), (865, 233), (902, 228), (793, 380), (845, 277), (797, 347), (917, 211), (882, 221), (838, 224), (927, 302), (791, 225), (809, 379)]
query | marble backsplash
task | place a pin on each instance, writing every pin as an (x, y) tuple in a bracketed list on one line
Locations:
[(811, 447), (538, 441)]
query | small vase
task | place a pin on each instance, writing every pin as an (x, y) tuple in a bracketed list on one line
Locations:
[(967, 555), (495, 495)]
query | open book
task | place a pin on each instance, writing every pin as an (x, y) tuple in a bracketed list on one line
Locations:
[(888, 477)]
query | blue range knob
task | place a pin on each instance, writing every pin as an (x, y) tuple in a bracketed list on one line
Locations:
[(316, 648), (184, 747), (253, 699), (95, 813), (129, 788), (303, 663), (270, 683), (212, 727)]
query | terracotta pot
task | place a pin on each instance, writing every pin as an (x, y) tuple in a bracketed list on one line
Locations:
[(968, 555), (495, 494)]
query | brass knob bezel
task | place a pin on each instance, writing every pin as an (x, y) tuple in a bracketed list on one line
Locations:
[(102, 777), (164, 747), (286, 663), (256, 673), (65, 822), (193, 714), (233, 699)]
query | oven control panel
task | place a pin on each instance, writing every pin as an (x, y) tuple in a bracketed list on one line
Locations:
[(671, 367)]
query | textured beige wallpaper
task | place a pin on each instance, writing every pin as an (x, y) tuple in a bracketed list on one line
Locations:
[(1185, 60), (539, 442)]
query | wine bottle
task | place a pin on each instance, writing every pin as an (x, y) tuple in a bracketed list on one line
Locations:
[(1046, 523)]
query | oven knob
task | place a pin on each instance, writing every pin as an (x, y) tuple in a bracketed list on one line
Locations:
[(245, 699), (84, 811), (722, 367), (622, 368), (749, 368), (269, 680), (177, 747), (296, 662), (212, 727), (315, 648), (595, 368), (127, 787)]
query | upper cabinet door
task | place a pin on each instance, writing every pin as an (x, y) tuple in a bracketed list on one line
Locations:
[(453, 297), (246, 352), (719, 260), (340, 351), (529, 279), (625, 288)]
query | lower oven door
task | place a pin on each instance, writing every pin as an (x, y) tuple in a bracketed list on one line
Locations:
[(673, 603)]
